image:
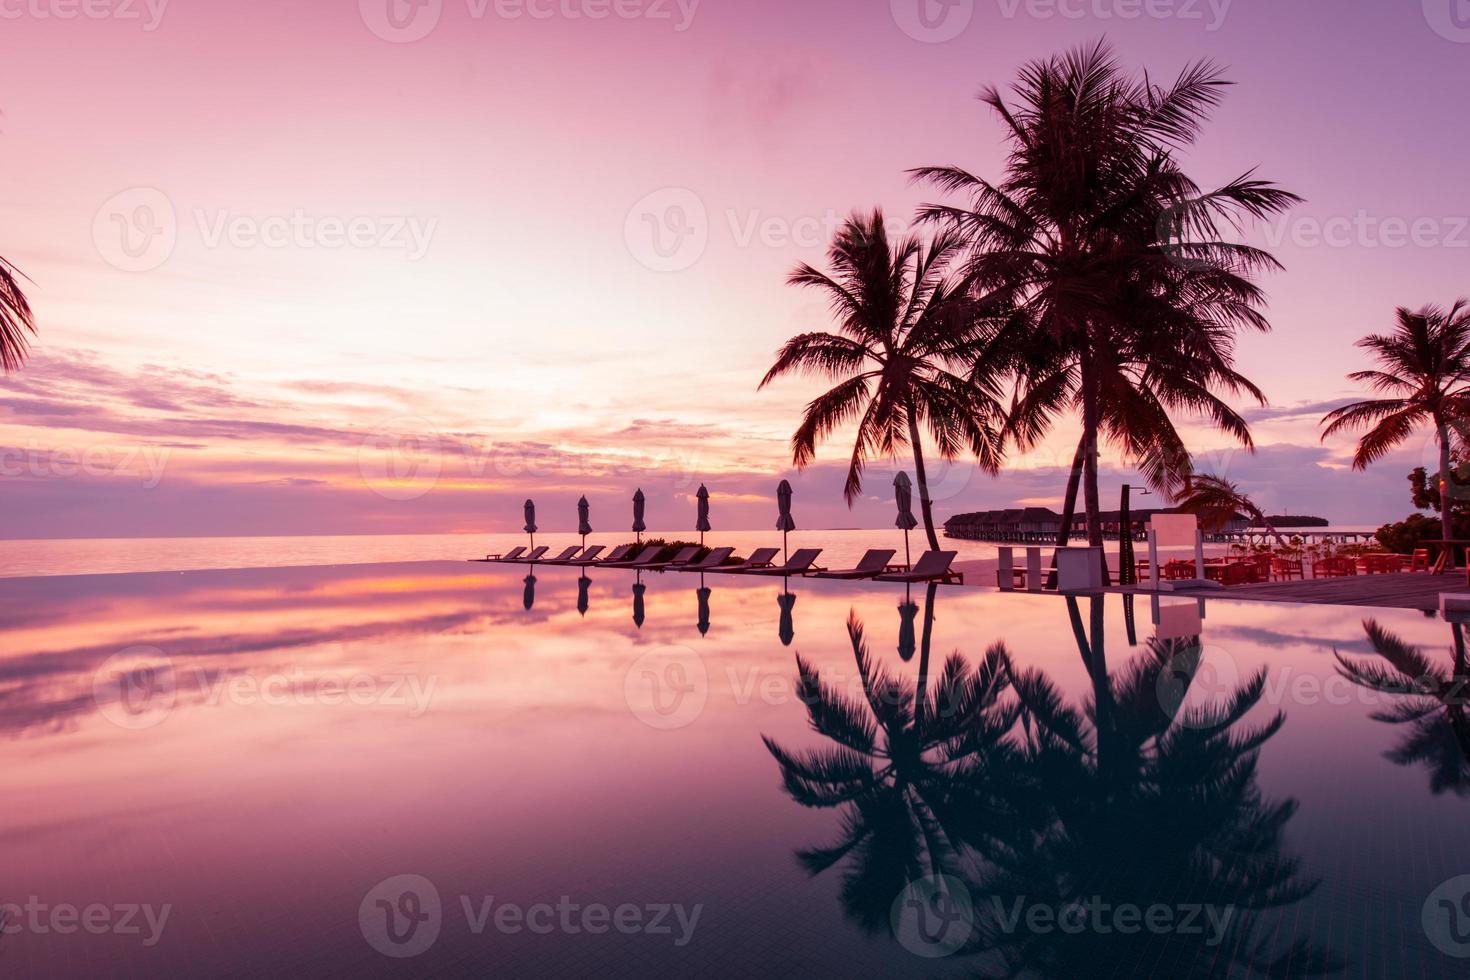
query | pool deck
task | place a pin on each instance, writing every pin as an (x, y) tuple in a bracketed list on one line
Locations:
[(1401, 590)]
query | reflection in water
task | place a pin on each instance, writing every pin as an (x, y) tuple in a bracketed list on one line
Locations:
[(908, 611), (638, 610), (701, 596), (1432, 704), (786, 629), (528, 597), (584, 591), (1129, 800)]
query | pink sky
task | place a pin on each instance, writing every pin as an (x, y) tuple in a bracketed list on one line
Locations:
[(448, 240)]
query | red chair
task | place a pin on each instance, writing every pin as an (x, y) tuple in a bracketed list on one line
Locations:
[(1419, 560), (1286, 569), (1334, 568)]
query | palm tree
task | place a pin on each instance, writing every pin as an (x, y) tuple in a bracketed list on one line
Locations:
[(1433, 705), (907, 333), (1216, 501), (17, 324), (920, 777), (1424, 368), (1134, 294)]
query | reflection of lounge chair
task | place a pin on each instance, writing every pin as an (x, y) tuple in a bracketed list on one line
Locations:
[(684, 556), (510, 555), (932, 566), (759, 558), (874, 563), (647, 556), (532, 557), (709, 562), (584, 558), (616, 555), (801, 561)]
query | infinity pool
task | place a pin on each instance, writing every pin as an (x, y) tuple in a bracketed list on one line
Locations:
[(435, 769)]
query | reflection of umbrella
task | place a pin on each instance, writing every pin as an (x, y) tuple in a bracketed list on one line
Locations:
[(531, 522), (787, 631), (584, 528), (584, 584), (638, 589), (784, 521), (638, 526), (529, 599), (701, 519), (907, 644), (703, 595), (903, 495)]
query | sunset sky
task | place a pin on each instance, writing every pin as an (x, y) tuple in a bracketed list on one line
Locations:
[(298, 269)]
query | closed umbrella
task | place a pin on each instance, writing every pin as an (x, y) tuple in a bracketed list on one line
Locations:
[(638, 589), (584, 586), (584, 526), (701, 519), (702, 595), (528, 598), (787, 630), (531, 522), (784, 522), (903, 495), (638, 526)]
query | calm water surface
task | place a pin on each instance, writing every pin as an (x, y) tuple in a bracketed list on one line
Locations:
[(440, 769)]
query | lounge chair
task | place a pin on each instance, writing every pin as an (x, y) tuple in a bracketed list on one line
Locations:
[(684, 557), (802, 560), (565, 556), (510, 555), (874, 563), (584, 558), (530, 557), (932, 566), (709, 562), (643, 559), (618, 554), (759, 558)]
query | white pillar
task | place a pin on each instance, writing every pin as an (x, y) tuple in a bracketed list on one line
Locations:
[(1007, 577)]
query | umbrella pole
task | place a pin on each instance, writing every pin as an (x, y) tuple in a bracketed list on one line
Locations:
[(906, 559), (785, 552)]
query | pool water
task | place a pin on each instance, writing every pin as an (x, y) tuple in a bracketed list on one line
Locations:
[(443, 768)]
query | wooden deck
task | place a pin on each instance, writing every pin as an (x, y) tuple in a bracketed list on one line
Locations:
[(1405, 590)]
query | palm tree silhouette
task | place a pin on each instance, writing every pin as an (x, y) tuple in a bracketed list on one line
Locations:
[(1433, 705), (1153, 803), (906, 335), (1424, 368), (921, 778), (1132, 295), (17, 323), (1216, 501)]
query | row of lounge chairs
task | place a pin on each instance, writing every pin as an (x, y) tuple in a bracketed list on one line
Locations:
[(932, 566)]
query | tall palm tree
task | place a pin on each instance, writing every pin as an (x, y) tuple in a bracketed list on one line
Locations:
[(1424, 369), (907, 333), (17, 324), (1216, 501), (1135, 294)]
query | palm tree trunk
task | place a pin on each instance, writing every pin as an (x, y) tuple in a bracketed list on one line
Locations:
[(1074, 483), (1446, 521), (924, 504)]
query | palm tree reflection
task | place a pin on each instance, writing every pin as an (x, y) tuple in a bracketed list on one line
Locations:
[(995, 779), (1432, 705)]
